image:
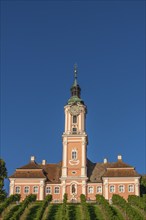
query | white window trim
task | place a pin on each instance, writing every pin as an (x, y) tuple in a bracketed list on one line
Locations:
[(123, 188), (110, 188), (28, 190), (132, 188), (37, 190), (92, 191), (73, 119), (19, 189), (50, 190), (74, 150), (100, 189), (58, 188)]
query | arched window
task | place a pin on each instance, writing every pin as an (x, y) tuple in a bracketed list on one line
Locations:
[(26, 189), (35, 189), (17, 189), (74, 155), (57, 190), (112, 189), (121, 188), (131, 188), (99, 189), (74, 119), (48, 190), (90, 189)]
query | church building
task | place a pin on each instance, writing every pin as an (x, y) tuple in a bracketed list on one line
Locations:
[(75, 174)]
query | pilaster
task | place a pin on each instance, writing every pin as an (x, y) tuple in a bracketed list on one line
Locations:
[(42, 189), (12, 184)]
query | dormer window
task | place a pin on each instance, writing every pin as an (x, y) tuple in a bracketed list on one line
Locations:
[(74, 119)]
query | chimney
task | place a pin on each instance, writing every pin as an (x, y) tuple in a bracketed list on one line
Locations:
[(105, 160), (44, 162), (32, 158), (119, 157)]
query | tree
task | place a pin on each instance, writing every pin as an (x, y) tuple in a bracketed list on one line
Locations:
[(3, 175), (143, 185), (64, 208)]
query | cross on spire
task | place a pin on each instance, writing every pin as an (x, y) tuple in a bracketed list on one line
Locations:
[(75, 74)]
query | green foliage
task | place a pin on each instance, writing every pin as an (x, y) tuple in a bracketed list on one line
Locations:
[(143, 185), (83, 199), (140, 202), (100, 199), (16, 197), (8, 201), (3, 175), (84, 205), (109, 211), (25, 203), (64, 209), (52, 211), (119, 201), (74, 212), (11, 212), (126, 207), (40, 212), (65, 197)]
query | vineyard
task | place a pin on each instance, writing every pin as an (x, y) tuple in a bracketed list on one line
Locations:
[(30, 209)]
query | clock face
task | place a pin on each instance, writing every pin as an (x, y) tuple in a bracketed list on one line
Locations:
[(75, 110)]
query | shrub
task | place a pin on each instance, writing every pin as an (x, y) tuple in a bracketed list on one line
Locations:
[(40, 212), (126, 207), (83, 199), (24, 204), (64, 206), (138, 201), (8, 201), (11, 212), (84, 207), (106, 207)]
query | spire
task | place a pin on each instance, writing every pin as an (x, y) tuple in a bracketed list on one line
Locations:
[(75, 74), (75, 89)]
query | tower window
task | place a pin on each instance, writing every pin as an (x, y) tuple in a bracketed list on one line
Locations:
[(74, 130), (74, 155), (74, 119)]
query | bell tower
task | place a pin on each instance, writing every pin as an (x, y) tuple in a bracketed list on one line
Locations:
[(74, 171)]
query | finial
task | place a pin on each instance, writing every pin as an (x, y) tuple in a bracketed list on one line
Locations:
[(75, 74)]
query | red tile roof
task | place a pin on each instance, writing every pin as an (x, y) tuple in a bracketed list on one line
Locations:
[(53, 172), (30, 165), (28, 174), (95, 171), (121, 173)]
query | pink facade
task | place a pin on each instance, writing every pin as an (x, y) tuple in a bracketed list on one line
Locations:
[(75, 175)]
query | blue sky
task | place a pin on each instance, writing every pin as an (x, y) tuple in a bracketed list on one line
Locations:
[(40, 42)]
